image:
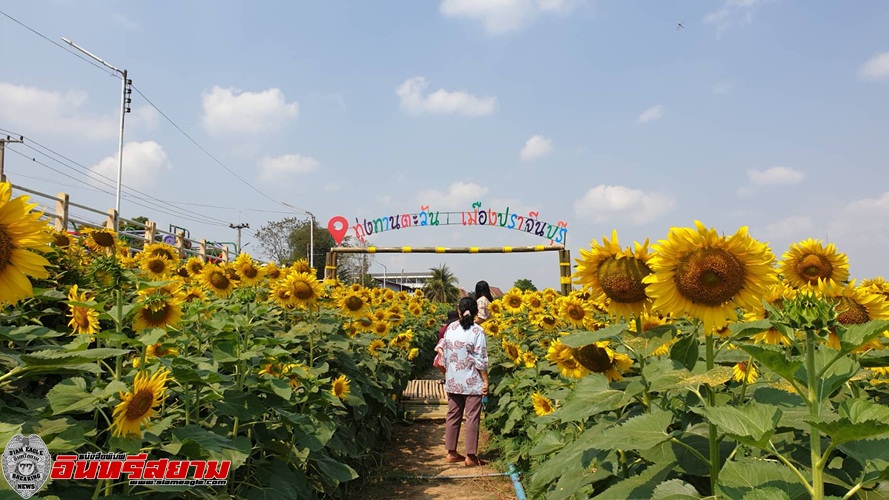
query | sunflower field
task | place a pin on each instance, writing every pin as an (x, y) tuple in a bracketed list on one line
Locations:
[(698, 368), (294, 382)]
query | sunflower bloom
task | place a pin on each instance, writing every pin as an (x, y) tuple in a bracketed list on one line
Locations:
[(512, 301), (84, 320), (542, 404), (374, 347), (271, 271), (380, 328), (100, 240), (529, 359), (808, 261), (214, 278), (247, 270), (512, 351), (609, 271), (698, 273), (157, 267), (159, 307), (854, 305), (340, 387), (413, 353), (544, 321), (302, 290), (402, 340), (302, 266), (533, 301), (744, 372), (562, 356), (599, 358), (137, 407), (21, 235), (575, 310)]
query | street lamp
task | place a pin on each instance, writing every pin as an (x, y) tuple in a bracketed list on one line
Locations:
[(125, 91), (311, 233), (385, 270)]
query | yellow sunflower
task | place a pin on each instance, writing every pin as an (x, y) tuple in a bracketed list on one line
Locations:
[(742, 371), (413, 353), (214, 278), (609, 271), (599, 358), (249, 273), (698, 273), (777, 294), (157, 267), (493, 328), (529, 359), (354, 304), (512, 301), (495, 308), (415, 309), (340, 387), (402, 340), (544, 321), (100, 240), (854, 305), (194, 266), (22, 233), (303, 289), (302, 266), (808, 261), (380, 328), (272, 271), (512, 351), (84, 320), (160, 249), (419, 293), (375, 346), (542, 404), (575, 311), (562, 356), (194, 293), (533, 301), (159, 307), (137, 407)]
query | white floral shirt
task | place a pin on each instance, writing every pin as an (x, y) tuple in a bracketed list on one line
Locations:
[(465, 352)]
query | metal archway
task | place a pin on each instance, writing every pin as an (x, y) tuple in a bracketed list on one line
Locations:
[(330, 264)]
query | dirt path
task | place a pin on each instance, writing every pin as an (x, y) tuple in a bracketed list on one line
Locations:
[(414, 464)]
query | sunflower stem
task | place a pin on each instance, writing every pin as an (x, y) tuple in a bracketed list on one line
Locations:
[(118, 328), (815, 412), (747, 369), (712, 434), (646, 400)]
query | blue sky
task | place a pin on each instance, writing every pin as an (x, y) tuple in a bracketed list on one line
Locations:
[(767, 114)]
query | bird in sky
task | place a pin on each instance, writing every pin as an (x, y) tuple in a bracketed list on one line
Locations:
[(679, 26)]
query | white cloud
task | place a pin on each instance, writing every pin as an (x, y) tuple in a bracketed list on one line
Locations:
[(722, 88), (504, 16), (536, 147), (775, 176), (441, 102), (39, 111), (279, 168), (143, 162), (651, 114), (233, 111), (605, 203), (863, 223), (876, 68), (143, 117), (459, 196), (733, 12), (790, 228)]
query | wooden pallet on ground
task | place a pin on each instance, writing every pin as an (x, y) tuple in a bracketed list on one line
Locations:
[(424, 400)]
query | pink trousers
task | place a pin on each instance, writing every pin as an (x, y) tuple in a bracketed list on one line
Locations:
[(458, 405)]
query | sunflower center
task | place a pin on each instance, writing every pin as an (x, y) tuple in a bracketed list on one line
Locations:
[(5, 248), (140, 404), (103, 239), (515, 302), (711, 276), (250, 272), (219, 280), (621, 279), (160, 252), (812, 266), (593, 358), (851, 312), (575, 312), (156, 316), (61, 240), (81, 317), (302, 291), (354, 303), (157, 266)]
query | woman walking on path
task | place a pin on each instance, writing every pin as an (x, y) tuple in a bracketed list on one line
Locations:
[(465, 353), (483, 299)]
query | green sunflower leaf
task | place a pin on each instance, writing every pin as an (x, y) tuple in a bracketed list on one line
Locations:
[(751, 423), (581, 339), (773, 359), (675, 489), (686, 351), (638, 433), (738, 478), (843, 430), (861, 410), (856, 336)]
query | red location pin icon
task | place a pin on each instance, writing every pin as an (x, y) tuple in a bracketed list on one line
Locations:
[(338, 226)]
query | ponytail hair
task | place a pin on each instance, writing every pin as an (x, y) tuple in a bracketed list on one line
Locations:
[(468, 310)]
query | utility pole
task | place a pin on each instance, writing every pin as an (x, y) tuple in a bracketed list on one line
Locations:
[(239, 227), (125, 101), (3, 150)]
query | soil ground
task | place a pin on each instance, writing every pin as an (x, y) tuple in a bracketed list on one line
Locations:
[(413, 466)]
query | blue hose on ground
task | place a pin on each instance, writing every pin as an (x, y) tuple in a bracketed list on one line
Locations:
[(514, 475)]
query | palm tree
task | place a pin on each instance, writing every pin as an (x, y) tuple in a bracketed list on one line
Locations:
[(441, 286)]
